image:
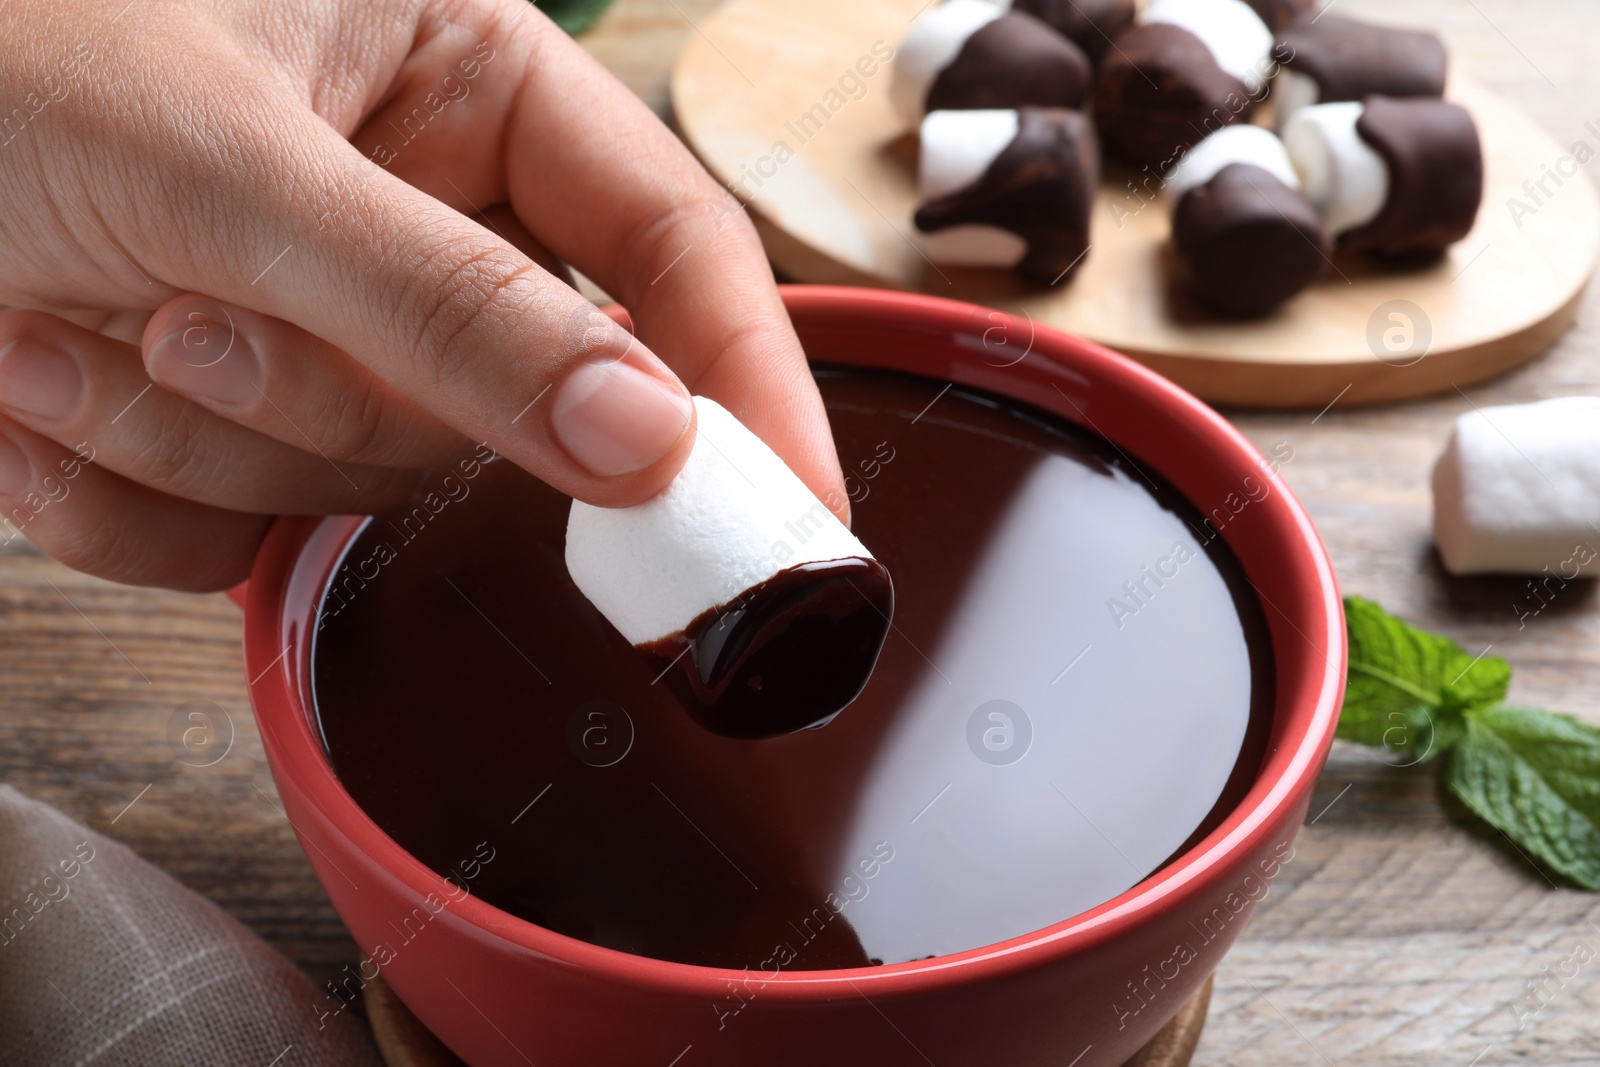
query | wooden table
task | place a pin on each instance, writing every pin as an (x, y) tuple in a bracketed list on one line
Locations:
[(1397, 935)]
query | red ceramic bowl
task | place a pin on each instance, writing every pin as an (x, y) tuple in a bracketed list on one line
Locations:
[(1089, 990)]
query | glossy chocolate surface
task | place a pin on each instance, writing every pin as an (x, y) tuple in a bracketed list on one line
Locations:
[(1244, 242), (1158, 92), (1350, 59), (787, 655), (1077, 686), (1435, 167)]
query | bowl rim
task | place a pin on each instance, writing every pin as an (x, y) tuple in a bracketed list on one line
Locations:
[(1289, 771)]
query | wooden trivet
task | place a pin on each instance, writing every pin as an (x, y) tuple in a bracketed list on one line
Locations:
[(405, 1042)]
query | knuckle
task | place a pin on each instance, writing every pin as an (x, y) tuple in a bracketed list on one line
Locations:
[(745, 340), (112, 543), (730, 216), (386, 488), (463, 295), (171, 455), (100, 544), (655, 243), (357, 424), (20, 323), (364, 422)]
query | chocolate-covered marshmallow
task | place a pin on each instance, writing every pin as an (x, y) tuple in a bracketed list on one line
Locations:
[(1243, 237), (1008, 189), (970, 54), (1390, 177)]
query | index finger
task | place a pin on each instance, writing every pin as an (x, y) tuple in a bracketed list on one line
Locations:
[(609, 189)]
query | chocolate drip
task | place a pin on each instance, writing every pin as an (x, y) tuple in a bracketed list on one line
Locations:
[(1090, 24), (1435, 176), (1245, 242), (1350, 59), (787, 655), (1040, 187), (1159, 92), (1278, 14), (1009, 62)]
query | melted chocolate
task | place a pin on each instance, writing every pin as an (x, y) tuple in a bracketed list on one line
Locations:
[(1244, 242), (1350, 59), (1040, 187), (1278, 14), (1009, 62), (1074, 654), (787, 655), (1435, 176), (1090, 24), (1160, 91)]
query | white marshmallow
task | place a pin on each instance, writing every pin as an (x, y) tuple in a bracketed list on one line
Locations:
[(956, 148), (928, 47), (973, 246), (1291, 91), (1231, 144), (1239, 41), (1518, 488), (733, 517), (1343, 176)]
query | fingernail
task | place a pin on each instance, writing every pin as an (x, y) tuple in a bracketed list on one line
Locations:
[(615, 418), (36, 379), (207, 360), (15, 470)]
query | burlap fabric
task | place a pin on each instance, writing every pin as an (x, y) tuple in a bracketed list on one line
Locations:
[(106, 960)]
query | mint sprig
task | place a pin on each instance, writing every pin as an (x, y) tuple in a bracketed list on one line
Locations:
[(1534, 775), (574, 16)]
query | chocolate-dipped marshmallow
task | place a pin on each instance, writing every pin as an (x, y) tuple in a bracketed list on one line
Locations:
[(1333, 58), (1239, 41), (1008, 189), (1243, 237), (1190, 68), (1090, 24), (973, 54), (1232, 144), (761, 610), (1390, 177), (1517, 490)]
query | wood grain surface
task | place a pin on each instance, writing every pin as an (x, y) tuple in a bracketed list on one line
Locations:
[(830, 178), (1398, 935)]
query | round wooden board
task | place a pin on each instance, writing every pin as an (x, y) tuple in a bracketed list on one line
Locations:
[(773, 97), (405, 1042)]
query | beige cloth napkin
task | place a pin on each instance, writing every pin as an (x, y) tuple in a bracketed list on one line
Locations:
[(106, 960)]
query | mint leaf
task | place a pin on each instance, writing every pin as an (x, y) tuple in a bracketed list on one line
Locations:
[(1406, 689), (574, 16), (1535, 775)]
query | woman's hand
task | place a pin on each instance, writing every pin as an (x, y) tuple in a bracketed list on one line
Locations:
[(283, 255)]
